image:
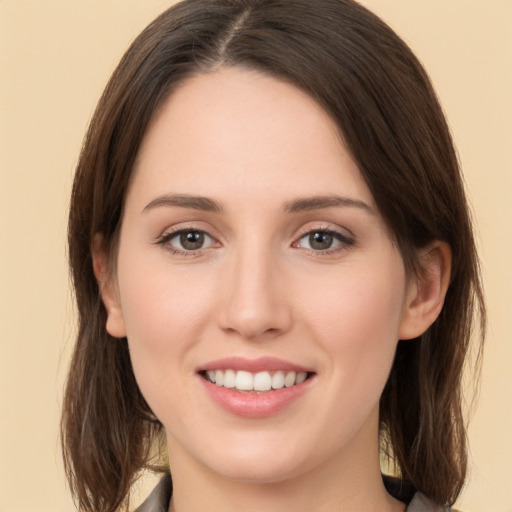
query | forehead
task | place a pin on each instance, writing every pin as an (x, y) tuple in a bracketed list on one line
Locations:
[(236, 129)]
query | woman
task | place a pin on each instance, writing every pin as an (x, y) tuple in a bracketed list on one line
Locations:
[(267, 201)]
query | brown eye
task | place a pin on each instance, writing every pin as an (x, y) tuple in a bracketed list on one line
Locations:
[(186, 240), (320, 241), (192, 240), (323, 240)]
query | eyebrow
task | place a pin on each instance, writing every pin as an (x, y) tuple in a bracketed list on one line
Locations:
[(184, 201), (302, 204), (322, 202)]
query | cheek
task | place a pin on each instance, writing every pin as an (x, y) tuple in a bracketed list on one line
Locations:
[(162, 306), (164, 314), (357, 323)]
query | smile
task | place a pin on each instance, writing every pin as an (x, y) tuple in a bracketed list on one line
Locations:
[(264, 381), (255, 388)]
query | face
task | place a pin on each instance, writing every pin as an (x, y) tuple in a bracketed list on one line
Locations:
[(258, 287)]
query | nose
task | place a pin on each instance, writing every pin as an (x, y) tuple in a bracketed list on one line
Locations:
[(254, 302)]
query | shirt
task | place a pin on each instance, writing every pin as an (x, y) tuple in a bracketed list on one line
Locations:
[(159, 499)]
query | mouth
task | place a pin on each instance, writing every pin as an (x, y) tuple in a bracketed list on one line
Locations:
[(255, 388), (259, 382)]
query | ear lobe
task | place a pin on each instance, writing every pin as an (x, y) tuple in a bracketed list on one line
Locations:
[(426, 294), (108, 290)]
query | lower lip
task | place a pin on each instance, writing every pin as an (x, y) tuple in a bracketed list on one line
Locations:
[(255, 405)]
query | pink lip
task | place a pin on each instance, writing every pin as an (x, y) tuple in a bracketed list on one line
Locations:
[(254, 405), (261, 364)]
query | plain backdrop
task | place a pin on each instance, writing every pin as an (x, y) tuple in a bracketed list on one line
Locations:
[(55, 58)]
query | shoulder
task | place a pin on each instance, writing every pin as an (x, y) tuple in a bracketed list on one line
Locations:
[(158, 500), (421, 503), (404, 491)]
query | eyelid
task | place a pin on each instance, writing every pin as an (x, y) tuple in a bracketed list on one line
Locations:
[(346, 240), (343, 237), (186, 225), (165, 238), (325, 227)]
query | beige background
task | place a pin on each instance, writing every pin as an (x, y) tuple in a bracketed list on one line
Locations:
[(55, 57)]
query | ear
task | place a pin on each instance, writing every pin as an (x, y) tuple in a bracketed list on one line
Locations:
[(108, 289), (426, 293)]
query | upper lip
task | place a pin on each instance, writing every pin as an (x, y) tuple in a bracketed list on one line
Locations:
[(260, 364)]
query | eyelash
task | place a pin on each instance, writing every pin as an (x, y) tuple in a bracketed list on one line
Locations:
[(166, 238), (344, 241)]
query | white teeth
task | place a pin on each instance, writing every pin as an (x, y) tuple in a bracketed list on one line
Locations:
[(261, 381), (289, 380), (278, 380), (244, 381), (229, 379), (301, 377)]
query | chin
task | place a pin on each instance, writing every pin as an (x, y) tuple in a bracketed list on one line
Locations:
[(256, 472), (260, 463)]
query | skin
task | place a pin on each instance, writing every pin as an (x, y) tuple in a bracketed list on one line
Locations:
[(257, 287)]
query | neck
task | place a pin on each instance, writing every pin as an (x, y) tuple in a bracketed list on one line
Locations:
[(298, 495), (350, 482)]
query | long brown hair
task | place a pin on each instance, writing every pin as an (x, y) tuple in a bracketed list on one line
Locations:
[(377, 92)]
